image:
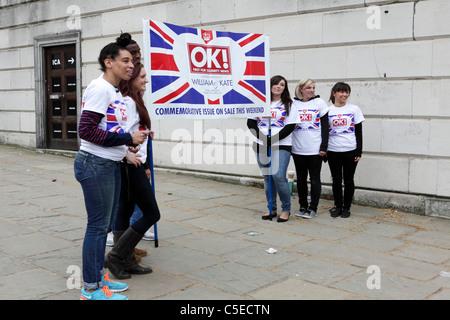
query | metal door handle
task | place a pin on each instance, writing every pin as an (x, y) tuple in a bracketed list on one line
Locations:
[(57, 96)]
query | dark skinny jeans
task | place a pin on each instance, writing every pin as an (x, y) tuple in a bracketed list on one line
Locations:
[(136, 190)]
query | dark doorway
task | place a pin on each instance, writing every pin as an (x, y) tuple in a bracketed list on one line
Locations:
[(61, 97)]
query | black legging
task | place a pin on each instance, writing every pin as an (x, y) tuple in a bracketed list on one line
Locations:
[(136, 190), (342, 167), (303, 166)]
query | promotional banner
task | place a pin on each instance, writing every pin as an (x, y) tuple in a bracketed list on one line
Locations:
[(204, 74)]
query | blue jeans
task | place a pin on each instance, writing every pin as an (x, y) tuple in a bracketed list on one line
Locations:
[(137, 214), (100, 181), (279, 182)]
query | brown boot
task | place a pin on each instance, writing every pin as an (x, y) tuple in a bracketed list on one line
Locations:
[(140, 252)]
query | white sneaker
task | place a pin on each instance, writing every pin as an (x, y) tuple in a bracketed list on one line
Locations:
[(311, 214), (149, 236), (300, 213), (110, 240)]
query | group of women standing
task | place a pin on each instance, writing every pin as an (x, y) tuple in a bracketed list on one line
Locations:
[(312, 132), (114, 129)]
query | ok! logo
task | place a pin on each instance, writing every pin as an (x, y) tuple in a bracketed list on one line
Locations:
[(209, 59), (341, 121)]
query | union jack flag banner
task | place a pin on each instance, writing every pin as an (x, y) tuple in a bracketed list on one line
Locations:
[(204, 74)]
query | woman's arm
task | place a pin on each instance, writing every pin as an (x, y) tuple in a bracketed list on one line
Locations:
[(89, 131), (359, 141)]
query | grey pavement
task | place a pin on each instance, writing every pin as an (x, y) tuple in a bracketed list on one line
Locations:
[(213, 243)]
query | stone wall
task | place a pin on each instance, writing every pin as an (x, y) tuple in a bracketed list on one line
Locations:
[(394, 54)]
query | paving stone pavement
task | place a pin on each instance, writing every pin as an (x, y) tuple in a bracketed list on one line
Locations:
[(213, 243)]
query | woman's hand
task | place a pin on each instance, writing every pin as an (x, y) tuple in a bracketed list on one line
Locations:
[(133, 158), (134, 149), (139, 136)]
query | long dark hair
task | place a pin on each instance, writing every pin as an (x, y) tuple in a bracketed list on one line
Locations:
[(285, 95), (126, 88), (339, 87)]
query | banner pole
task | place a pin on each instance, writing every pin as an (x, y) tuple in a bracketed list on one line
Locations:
[(150, 147), (270, 166)]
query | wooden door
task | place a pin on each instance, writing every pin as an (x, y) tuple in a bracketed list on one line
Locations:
[(61, 97)]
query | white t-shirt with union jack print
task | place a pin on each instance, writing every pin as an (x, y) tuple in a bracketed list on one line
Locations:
[(278, 121), (102, 97), (342, 122), (133, 125), (307, 136)]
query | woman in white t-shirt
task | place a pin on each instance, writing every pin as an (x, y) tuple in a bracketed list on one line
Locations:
[(103, 145), (274, 166), (309, 145), (344, 147), (136, 187)]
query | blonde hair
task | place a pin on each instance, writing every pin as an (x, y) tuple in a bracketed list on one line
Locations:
[(301, 84)]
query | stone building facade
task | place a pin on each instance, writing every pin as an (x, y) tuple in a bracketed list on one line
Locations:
[(394, 54)]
